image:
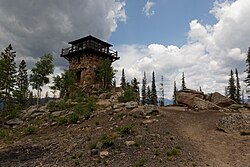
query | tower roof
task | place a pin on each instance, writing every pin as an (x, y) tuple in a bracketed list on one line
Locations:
[(89, 38)]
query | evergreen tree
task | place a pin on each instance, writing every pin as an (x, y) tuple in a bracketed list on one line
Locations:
[(153, 91), (134, 84), (123, 80), (238, 94), (231, 86), (247, 79), (200, 89), (161, 101), (66, 83), (143, 89), (183, 84), (39, 74), (22, 90), (148, 96), (106, 74), (174, 94), (8, 76)]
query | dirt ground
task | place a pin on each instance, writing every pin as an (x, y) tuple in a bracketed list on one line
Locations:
[(216, 147), (195, 135)]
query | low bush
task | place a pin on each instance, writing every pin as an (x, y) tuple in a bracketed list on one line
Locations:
[(125, 130), (30, 130), (73, 118), (107, 141)]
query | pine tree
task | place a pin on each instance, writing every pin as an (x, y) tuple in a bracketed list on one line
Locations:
[(123, 80), (238, 94), (183, 84), (161, 101), (134, 84), (143, 89), (174, 93), (247, 79), (153, 91), (148, 96), (8, 76), (231, 87), (106, 74), (22, 90), (39, 74)]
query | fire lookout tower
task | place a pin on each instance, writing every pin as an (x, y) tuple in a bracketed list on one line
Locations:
[(85, 57)]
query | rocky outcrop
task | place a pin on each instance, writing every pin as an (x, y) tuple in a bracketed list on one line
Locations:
[(186, 97), (15, 121), (235, 123), (194, 99), (221, 100)]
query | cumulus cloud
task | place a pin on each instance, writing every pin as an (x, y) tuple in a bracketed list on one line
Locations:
[(208, 56), (36, 27), (147, 9)]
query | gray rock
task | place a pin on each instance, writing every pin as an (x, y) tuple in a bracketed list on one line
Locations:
[(186, 97), (131, 105), (235, 106), (15, 121), (57, 113), (234, 123), (201, 104), (221, 100), (151, 110)]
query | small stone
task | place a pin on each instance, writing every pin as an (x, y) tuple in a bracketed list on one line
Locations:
[(15, 121), (130, 143), (99, 145), (53, 123), (149, 121), (94, 152), (104, 154)]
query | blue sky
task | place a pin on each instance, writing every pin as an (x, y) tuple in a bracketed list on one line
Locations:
[(168, 25)]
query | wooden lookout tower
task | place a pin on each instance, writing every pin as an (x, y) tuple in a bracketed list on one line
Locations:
[(85, 57)]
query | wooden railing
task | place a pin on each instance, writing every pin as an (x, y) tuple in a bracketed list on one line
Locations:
[(89, 45)]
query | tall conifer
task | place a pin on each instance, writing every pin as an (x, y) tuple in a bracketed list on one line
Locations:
[(232, 87), (144, 89), (238, 94), (183, 83), (153, 91)]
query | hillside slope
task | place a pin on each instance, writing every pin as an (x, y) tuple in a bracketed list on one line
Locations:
[(128, 138)]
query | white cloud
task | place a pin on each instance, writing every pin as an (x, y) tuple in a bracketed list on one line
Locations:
[(38, 27), (147, 9), (208, 56)]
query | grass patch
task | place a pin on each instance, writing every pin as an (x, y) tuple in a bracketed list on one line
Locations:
[(107, 141), (125, 130), (3, 134), (30, 130), (140, 163), (62, 120), (73, 118), (173, 152)]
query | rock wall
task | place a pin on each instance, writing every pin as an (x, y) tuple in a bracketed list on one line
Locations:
[(86, 67)]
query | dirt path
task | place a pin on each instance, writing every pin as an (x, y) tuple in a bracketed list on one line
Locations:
[(217, 148)]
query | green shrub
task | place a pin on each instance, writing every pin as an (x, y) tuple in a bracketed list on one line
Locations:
[(125, 130), (140, 163), (62, 120), (73, 118), (174, 151), (58, 105), (2, 134), (92, 146), (129, 95), (30, 130), (107, 141), (91, 104)]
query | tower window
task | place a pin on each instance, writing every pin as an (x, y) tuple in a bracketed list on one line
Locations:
[(78, 76)]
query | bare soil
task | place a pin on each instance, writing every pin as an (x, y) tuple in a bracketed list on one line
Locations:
[(192, 135)]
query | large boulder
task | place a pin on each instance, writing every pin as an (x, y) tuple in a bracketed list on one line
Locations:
[(201, 104), (195, 99), (186, 97), (221, 100)]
